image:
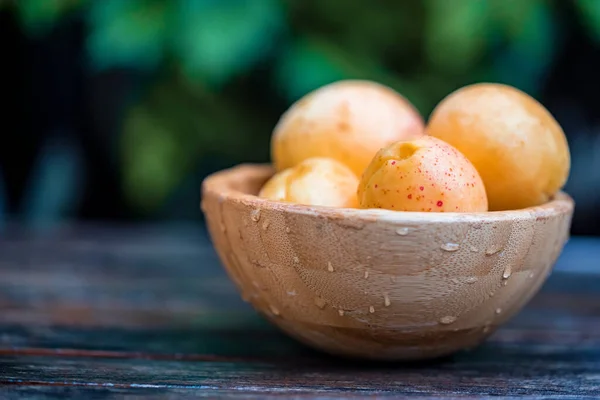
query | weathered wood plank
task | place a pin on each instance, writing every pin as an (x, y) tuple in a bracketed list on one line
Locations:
[(506, 373), (99, 313)]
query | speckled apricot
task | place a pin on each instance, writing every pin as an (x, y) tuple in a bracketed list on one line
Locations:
[(315, 181), (517, 146), (424, 174), (348, 121)]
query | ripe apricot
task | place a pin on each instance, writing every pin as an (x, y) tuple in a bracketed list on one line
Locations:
[(348, 121), (315, 181), (425, 174), (517, 146)]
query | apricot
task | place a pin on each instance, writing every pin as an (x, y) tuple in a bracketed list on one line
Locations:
[(517, 146), (424, 174), (315, 181), (348, 121)]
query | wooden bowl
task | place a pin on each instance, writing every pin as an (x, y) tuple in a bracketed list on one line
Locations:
[(380, 284)]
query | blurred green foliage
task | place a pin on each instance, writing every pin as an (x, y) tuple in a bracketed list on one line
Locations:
[(197, 51)]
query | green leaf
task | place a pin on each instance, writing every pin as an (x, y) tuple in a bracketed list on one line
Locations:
[(39, 16), (311, 63), (127, 33), (217, 40), (456, 33), (589, 11), (530, 50)]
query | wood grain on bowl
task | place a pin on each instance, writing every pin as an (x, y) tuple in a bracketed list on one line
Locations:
[(380, 284)]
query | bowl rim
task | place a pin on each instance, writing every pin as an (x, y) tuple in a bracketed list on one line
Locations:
[(220, 184)]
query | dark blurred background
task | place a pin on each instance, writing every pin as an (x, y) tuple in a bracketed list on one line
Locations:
[(115, 110)]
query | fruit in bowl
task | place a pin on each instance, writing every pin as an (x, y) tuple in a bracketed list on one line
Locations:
[(381, 246)]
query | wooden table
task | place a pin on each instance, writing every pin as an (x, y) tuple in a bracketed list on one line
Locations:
[(93, 312)]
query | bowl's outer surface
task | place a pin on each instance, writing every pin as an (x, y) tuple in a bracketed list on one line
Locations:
[(380, 284)]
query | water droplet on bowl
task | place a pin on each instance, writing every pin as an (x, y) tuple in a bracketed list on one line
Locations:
[(471, 279), (255, 215), (455, 281), (287, 230), (493, 250), (402, 231), (296, 259), (320, 302), (447, 320), (474, 249), (341, 312), (330, 267), (498, 310), (371, 309), (507, 272), (292, 292), (386, 300), (531, 275), (450, 246), (274, 310), (366, 274)]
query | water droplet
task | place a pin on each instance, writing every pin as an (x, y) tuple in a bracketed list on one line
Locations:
[(455, 281), (491, 294), (493, 250), (341, 312), (507, 272), (274, 310), (366, 274), (531, 275), (296, 259), (330, 267), (255, 215), (292, 292), (498, 310), (447, 320), (474, 249), (320, 302), (287, 230), (450, 246), (392, 279), (386, 300), (472, 279), (402, 231), (371, 309), (505, 283), (266, 225)]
